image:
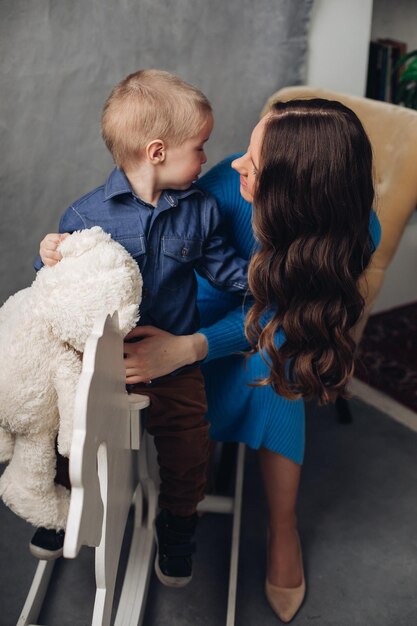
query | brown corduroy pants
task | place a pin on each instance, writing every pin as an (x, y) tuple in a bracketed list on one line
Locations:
[(176, 420)]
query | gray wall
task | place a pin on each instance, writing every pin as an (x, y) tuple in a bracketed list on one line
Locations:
[(59, 60)]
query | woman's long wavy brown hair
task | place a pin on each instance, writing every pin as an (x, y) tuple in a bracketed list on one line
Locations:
[(312, 205)]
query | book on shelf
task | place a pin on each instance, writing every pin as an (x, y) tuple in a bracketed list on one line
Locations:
[(383, 75)]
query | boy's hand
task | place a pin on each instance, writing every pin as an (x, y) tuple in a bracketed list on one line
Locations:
[(48, 248)]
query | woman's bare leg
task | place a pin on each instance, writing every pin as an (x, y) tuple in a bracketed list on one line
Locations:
[(281, 479)]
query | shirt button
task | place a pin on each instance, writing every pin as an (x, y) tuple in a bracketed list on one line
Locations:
[(184, 252)]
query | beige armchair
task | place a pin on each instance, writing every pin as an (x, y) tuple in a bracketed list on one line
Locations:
[(393, 134)]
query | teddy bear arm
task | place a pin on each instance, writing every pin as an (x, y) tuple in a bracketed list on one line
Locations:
[(66, 380)]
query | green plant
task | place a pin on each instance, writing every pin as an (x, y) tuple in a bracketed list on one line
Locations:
[(407, 83)]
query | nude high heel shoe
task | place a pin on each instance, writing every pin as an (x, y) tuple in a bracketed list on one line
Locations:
[(286, 601)]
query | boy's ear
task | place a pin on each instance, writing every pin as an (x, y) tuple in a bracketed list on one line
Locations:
[(156, 151)]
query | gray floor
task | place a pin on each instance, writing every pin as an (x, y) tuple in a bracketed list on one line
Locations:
[(358, 526)]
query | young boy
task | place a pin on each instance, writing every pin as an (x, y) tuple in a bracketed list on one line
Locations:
[(155, 126)]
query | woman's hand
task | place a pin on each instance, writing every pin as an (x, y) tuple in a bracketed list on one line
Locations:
[(48, 248), (158, 353)]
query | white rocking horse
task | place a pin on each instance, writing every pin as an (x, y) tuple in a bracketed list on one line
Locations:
[(112, 467)]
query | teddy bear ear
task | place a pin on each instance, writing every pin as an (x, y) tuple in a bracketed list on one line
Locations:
[(82, 240)]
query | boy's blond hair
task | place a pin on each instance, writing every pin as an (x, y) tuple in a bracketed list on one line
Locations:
[(151, 104)]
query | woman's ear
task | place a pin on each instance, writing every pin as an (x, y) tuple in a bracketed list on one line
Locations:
[(155, 151)]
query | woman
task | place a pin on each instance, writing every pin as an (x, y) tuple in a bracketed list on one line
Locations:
[(308, 173)]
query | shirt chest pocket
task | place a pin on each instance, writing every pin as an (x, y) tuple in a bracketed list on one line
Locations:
[(179, 255)]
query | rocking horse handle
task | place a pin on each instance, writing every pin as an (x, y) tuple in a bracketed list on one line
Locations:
[(136, 404)]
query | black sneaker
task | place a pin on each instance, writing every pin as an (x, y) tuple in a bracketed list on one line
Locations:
[(173, 563), (47, 544)]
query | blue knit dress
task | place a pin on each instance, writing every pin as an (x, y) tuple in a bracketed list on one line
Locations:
[(256, 416)]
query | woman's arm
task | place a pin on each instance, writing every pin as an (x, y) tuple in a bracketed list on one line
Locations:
[(227, 335), (159, 353)]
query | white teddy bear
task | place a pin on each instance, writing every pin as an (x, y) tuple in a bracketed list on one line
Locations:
[(43, 331)]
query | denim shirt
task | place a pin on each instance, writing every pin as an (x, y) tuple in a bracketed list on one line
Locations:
[(181, 234)]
